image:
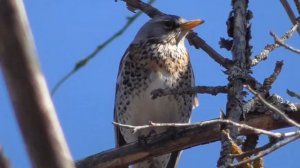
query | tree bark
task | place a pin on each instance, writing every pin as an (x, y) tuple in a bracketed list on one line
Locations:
[(28, 91)]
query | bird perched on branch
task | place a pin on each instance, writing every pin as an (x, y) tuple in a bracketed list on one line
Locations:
[(156, 59)]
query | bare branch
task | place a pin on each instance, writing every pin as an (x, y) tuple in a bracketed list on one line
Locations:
[(237, 29), (267, 85), (278, 41), (132, 5), (256, 150), (201, 124), (274, 147), (270, 47), (197, 89), (178, 139), (293, 94), (290, 12), (28, 90), (235, 148), (273, 108), (198, 42), (297, 3)]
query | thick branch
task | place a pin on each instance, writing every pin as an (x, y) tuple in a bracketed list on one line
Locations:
[(28, 90), (273, 108), (175, 140), (234, 107)]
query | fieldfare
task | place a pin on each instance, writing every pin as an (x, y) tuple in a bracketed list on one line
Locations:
[(156, 59)]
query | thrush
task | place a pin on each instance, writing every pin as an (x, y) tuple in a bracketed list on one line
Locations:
[(156, 59)]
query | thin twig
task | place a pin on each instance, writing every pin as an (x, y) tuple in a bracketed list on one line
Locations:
[(254, 151), (278, 41), (198, 42), (132, 5), (270, 47), (80, 64), (271, 79), (293, 94), (273, 108), (193, 90), (290, 12), (274, 147), (297, 3), (200, 124), (235, 149)]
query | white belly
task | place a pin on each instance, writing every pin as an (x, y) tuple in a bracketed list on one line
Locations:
[(143, 108)]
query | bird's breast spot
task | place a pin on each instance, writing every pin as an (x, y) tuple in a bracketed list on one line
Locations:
[(162, 109)]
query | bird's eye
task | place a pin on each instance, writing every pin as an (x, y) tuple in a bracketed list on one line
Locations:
[(169, 25)]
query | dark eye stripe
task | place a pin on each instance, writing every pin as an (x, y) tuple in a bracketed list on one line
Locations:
[(170, 24)]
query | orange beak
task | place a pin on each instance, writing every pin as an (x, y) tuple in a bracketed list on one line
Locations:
[(189, 25)]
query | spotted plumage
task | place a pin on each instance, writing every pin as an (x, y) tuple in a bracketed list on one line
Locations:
[(157, 58)]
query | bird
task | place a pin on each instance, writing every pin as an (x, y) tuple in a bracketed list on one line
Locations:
[(156, 59)]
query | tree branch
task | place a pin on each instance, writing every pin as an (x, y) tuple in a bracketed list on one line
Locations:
[(237, 22), (28, 90), (198, 42), (273, 108), (176, 140), (269, 150), (197, 89), (270, 47), (290, 12), (199, 125), (293, 94), (278, 41), (267, 85), (297, 3)]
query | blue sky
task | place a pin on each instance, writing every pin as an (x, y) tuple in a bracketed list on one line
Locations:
[(66, 31)]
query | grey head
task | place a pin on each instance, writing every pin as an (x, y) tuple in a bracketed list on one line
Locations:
[(166, 28)]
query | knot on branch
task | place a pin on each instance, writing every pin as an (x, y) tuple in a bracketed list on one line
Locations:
[(236, 72)]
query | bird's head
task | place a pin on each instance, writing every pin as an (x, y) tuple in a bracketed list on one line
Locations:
[(166, 28)]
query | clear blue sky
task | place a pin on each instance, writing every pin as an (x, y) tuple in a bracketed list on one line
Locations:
[(66, 31)]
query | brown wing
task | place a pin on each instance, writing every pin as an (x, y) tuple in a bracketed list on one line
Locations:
[(119, 139)]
